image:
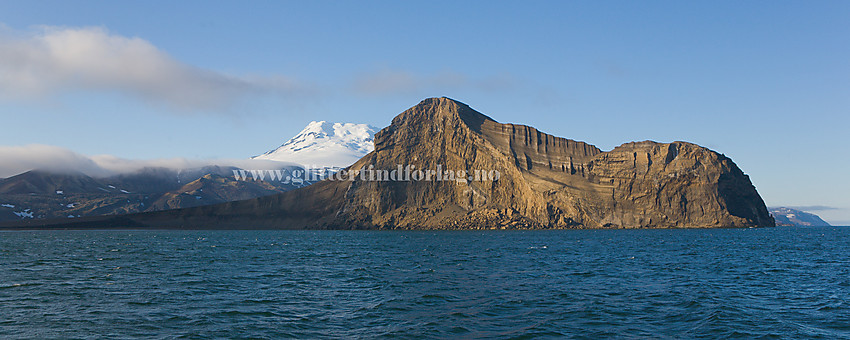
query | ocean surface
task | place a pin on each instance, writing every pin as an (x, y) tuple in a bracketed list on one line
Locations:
[(747, 283)]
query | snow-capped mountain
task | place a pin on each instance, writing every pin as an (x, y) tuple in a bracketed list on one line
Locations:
[(326, 145), (792, 217)]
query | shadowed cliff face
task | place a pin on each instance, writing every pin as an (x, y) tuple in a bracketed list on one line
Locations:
[(544, 181)]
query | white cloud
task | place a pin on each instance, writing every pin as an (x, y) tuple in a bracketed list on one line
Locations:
[(54, 59), (812, 207), (18, 159), (398, 81)]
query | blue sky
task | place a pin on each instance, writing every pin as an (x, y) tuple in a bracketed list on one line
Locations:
[(764, 82)]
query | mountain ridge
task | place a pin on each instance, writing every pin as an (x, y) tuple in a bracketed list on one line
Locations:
[(150, 188), (39, 194)]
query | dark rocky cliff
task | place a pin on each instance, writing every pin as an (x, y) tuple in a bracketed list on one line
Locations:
[(545, 182)]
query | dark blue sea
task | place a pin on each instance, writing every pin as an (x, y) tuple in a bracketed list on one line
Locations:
[(711, 283)]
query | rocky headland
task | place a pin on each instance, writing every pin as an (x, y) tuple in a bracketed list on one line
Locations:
[(544, 182)]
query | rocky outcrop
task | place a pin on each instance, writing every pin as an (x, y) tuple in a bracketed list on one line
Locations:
[(544, 182)]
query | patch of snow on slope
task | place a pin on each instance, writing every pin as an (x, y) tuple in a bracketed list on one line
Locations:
[(24, 214)]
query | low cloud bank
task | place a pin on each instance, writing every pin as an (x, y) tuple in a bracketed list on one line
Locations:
[(19, 159), (813, 207)]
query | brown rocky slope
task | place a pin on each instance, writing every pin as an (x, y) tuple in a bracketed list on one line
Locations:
[(544, 182)]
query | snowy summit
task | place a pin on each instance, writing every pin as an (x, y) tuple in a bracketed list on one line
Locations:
[(326, 145)]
